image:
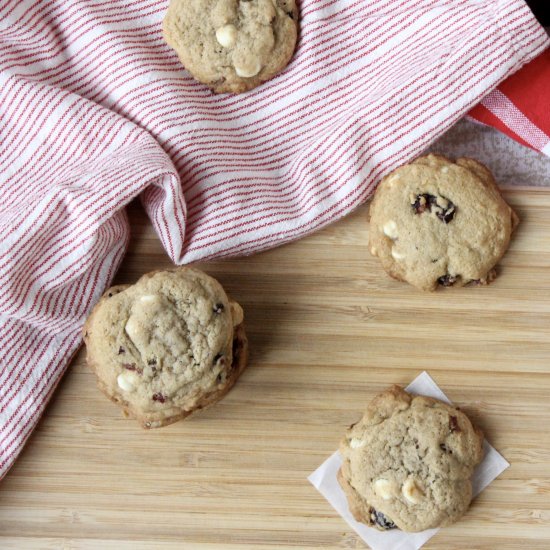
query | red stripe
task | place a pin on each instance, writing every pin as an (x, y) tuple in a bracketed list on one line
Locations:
[(77, 32)]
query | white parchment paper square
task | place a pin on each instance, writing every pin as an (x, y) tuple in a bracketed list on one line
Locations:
[(324, 480)]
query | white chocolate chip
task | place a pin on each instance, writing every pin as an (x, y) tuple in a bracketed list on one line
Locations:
[(394, 179), (148, 298), (412, 491), (356, 443), (227, 35), (445, 169), (383, 488), (124, 382), (131, 328), (396, 255), (251, 68), (390, 229)]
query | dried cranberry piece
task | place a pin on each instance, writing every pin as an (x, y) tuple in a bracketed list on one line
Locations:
[(447, 280), (428, 203), (159, 397), (378, 518), (132, 367), (423, 202), (489, 278)]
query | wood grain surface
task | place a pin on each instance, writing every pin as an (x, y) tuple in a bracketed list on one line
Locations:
[(328, 330)]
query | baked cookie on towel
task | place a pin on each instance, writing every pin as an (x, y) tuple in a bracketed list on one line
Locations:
[(232, 45), (407, 463), (435, 222), (166, 346)]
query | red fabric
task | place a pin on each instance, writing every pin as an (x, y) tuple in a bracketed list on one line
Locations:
[(520, 106)]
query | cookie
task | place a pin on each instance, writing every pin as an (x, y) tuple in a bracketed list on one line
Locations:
[(435, 222), (166, 346), (407, 463), (232, 45)]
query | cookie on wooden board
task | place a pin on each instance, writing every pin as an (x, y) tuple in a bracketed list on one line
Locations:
[(408, 462), (166, 346), (435, 222)]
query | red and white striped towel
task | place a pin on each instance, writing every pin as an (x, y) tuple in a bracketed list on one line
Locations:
[(520, 106), (96, 109)]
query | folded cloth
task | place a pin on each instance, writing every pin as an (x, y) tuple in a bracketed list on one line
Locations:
[(520, 106), (96, 109)]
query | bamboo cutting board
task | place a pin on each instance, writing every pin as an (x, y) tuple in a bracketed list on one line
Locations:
[(328, 329)]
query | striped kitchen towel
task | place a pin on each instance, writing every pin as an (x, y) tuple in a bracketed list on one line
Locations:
[(96, 109), (520, 106)]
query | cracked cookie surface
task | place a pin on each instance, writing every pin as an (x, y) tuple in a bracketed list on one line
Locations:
[(232, 45), (408, 462), (435, 222), (167, 345)]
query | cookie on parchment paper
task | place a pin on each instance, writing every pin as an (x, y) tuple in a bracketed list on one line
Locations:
[(435, 222), (166, 346), (232, 45), (408, 462)]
